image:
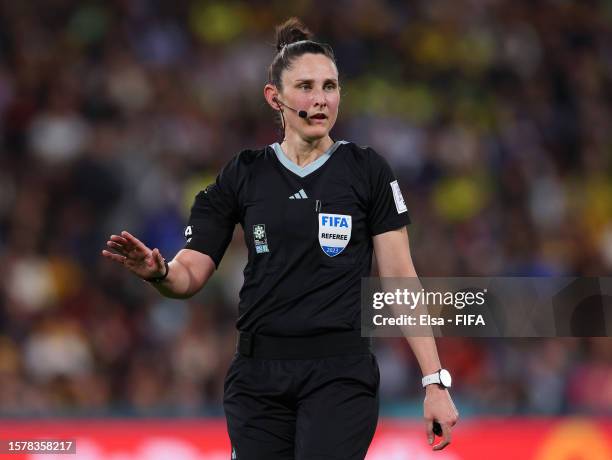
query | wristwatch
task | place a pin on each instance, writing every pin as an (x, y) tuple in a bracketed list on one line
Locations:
[(159, 279), (442, 378)]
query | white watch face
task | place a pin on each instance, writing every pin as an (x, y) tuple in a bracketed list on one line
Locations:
[(445, 378)]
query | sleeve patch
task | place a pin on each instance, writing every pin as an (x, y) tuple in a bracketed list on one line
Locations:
[(400, 205)]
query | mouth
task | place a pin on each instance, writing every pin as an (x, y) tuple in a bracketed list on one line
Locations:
[(319, 116)]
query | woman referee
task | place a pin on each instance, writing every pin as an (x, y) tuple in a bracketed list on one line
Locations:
[(303, 383)]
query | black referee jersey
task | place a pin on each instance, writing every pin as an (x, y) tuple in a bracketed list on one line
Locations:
[(308, 231)]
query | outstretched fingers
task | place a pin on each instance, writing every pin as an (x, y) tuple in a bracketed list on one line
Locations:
[(125, 248), (112, 256), (116, 247), (133, 243), (129, 251)]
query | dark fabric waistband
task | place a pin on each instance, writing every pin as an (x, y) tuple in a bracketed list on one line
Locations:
[(308, 347)]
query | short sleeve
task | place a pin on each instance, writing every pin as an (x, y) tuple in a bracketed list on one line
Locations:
[(214, 215), (387, 210)]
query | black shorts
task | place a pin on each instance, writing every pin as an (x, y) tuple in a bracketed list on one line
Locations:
[(302, 409)]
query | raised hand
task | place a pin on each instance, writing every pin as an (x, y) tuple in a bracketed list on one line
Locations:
[(130, 252)]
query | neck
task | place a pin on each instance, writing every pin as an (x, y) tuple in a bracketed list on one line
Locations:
[(303, 152)]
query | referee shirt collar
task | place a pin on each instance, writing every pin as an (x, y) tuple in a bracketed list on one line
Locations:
[(310, 167)]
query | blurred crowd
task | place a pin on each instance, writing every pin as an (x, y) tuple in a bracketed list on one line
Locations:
[(494, 114)]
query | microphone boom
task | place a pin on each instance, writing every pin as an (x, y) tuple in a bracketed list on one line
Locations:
[(301, 113)]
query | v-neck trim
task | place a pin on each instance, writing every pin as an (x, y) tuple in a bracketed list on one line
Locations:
[(309, 168)]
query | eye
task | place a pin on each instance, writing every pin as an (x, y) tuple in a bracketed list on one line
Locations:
[(304, 86), (330, 86)]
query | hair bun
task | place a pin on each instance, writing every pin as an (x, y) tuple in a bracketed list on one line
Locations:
[(291, 31)]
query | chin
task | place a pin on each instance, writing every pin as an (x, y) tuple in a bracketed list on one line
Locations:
[(316, 133)]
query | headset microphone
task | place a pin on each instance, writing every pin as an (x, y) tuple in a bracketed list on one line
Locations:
[(301, 113)]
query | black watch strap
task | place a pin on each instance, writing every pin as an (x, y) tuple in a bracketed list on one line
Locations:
[(159, 279)]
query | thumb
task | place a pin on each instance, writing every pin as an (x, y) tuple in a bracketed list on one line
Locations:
[(430, 434), (153, 261), (155, 256), (159, 259)]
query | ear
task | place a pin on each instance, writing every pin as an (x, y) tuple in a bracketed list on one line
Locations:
[(271, 93)]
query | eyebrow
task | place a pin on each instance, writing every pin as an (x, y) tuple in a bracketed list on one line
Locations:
[(310, 80)]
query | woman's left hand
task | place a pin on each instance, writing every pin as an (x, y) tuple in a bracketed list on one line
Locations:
[(438, 406)]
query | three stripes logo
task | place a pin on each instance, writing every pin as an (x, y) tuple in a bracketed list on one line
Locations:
[(299, 195)]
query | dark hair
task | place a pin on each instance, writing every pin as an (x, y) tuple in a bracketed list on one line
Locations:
[(293, 39)]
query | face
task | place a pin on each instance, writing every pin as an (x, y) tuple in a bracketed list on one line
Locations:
[(311, 84)]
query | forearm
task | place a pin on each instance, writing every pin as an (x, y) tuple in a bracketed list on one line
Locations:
[(180, 283), (395, 262), (420, 338), (424, 348)]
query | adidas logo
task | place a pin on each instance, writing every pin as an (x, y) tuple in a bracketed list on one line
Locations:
[(299, 195)]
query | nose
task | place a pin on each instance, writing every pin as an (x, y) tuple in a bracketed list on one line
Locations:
[(319, 98)]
